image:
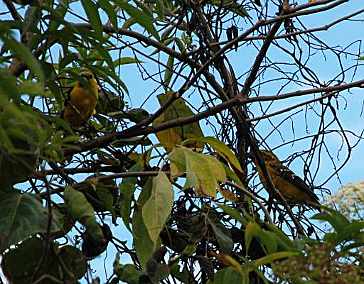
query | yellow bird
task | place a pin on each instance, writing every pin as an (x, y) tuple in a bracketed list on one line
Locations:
[(81, 102), (291, 186)]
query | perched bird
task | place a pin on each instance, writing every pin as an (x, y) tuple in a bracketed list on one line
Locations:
[(291, 186), (81, 102)]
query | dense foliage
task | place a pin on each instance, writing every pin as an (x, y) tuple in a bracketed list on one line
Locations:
[(164, 176)]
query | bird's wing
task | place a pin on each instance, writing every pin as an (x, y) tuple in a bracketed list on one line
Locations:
[(66, 101), (294, 179)]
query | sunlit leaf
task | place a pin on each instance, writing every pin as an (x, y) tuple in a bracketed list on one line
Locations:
[(221, 149), (203, 172), (158, 207), (169, 138), (143, 244)]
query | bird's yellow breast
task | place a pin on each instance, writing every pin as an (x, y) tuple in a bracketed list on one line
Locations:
[(82, 103), (84, 100)]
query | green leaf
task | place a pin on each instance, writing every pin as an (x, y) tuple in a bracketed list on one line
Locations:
[(158, 207), (335, 218), (351, 232), (267, 239), (203, 172), (127, 189), (231, 6), (77, 205), (223, 236), (273, 257), (108, 75), (25, 255), (8, 86), (42, 257), (81, 210), (231, 175), (146, 7), (140, 16), (127, 273), (182, 276), (25, 55), (144, 246), (228, 275), (19, 162), (232, 212), (251, 230), (31, 88), (169, 138), (168, 72), (74, 260), (221, 149), (189, 250), (160, 10), (105, 55), (180, 45), (136, 114), (94, 17), (58, 13), (128, 23), (285, 243), (126, 60), (22, 215), (110, 11), (178, 162), (101, 194)]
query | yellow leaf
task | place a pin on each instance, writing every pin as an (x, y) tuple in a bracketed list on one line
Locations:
[(203, 172), (221, 149), (169, 138)]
